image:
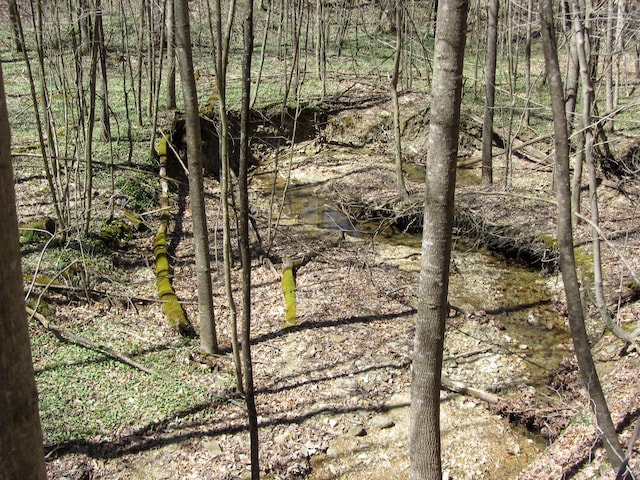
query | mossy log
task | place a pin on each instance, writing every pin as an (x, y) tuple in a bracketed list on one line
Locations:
[(113, 232), (171, 306)]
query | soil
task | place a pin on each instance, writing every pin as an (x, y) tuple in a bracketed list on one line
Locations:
[(332, 392)]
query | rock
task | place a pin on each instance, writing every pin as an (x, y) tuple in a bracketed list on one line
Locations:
[(212, 446), (381, 422), (357, 431)]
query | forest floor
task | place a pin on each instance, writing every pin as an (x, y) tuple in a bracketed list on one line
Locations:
[(333, 391)]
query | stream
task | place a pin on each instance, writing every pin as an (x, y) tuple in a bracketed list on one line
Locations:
[(515, 344), (514, 298)]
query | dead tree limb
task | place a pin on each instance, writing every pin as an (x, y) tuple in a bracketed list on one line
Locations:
[(67, 336)]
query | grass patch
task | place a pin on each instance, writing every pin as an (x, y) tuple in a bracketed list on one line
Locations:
[(84, 393)]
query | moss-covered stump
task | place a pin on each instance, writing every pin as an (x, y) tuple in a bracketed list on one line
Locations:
[(113, 232), (38, 229)]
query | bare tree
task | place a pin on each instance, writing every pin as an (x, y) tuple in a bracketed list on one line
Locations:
[(243, 227), (605, 425), (21, 452), (208, 339), (15, 30), (490, 98), (437, 238), (171, 54), (401, 187)]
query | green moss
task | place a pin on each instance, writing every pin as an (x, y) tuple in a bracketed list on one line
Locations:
[(583, 259), (139, 193), (38, 229), (548, 240), (112, 232), (348, 122), (171, 306), (162, 147), (289, 291), (41, 280)]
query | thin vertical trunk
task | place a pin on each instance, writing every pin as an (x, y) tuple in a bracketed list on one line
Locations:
[(444, 125), (208, 339), (619, 48), (105, 133), (608, 65), (245, 252), (13, 20), (490, 90), (140, 60), (88, 146), (221, 45), (402, 193), (171, 55), (605, 426), (527, 64)]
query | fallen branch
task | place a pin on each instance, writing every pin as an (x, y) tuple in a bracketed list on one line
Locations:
[(67, 336), (101, 293), (462, 389)]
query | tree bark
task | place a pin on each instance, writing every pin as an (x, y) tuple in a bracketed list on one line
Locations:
[(171, 55), (588, 371), (245, 252), (487, 125), (15, 29), (208, 339), (436, 240), (21, 450), (403, 195)]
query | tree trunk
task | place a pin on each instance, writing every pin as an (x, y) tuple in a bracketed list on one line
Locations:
[(437, 239), (15, 29), (487, 126), (403, 195), (171, 55), (588, 371), (21, 451), (105, 121), (527, 64), (243, 230), (208, 340)]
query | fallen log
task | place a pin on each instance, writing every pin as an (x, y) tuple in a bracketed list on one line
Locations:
[(463, 389), (519, 147), (171, 306)]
